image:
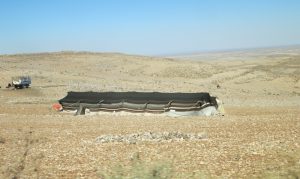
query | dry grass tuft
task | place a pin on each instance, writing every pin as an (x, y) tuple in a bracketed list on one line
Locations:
[(144, 170), (2, 140)]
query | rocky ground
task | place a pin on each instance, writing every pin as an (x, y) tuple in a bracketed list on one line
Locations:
[(258, 136)]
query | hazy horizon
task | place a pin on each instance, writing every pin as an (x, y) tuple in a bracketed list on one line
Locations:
[(146, 27), (167, 54)]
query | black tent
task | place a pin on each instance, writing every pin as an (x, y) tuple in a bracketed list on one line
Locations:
[(136, 101)]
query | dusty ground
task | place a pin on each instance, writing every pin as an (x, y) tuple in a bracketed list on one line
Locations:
[(258, 137)]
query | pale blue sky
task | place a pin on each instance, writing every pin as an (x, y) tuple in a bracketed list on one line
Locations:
[(146, 27)]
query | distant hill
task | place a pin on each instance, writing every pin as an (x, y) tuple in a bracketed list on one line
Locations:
[(238, 54)]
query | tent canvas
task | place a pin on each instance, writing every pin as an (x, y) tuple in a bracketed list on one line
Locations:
[(136, 101)]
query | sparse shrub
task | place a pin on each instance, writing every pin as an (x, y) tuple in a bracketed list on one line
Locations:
[(142, 170), (289, 171), (2, 140), (280, 174)]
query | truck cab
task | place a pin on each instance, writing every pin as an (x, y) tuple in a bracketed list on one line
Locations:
[(21, 82)]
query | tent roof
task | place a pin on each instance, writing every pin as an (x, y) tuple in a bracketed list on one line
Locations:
[(134, 97)]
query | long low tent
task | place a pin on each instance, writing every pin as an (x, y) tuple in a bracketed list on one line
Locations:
[(137, 101)]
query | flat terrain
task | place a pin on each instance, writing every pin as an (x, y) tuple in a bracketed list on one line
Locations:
[(258, 137)]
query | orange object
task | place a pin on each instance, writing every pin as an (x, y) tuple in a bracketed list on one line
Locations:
[(57, 107)]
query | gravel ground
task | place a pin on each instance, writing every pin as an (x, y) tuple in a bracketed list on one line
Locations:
[(257, 138)]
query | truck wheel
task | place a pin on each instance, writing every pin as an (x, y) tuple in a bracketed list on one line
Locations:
[(18, 86)]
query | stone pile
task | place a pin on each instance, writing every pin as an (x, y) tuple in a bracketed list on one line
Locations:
[(150, 137)]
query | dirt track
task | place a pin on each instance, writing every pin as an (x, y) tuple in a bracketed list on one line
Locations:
[(258, 136)]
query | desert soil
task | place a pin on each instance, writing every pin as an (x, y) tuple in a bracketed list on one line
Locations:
[(258, 136)]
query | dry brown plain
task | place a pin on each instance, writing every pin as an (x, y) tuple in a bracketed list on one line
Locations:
[(258, 137)]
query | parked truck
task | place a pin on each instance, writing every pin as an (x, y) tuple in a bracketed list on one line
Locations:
[(21, 82)]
